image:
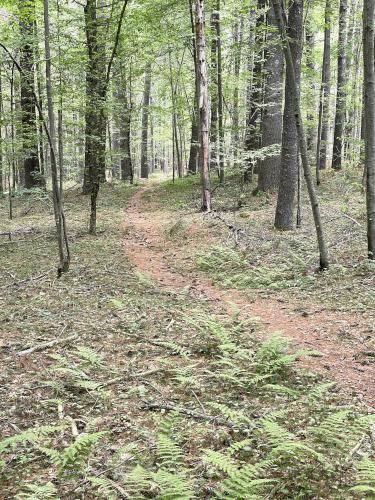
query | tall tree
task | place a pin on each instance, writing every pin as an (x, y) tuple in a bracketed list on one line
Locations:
[(98, 73), (269, 168), (237, 38), (369, 110), (62, 238), (294, 89), (338, 137), (284, 218), (203, 104), (194, 139), (31, 169), (145, 120), (253, 135), (323, 126)]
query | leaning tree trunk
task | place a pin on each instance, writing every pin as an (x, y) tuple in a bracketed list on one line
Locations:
[(269, 168), (62, 238), (145, 119), (294, 88), (338, 137), (253, 134), (323, 126), (369, 132), (284, 218), (28, 114), (203, 104)]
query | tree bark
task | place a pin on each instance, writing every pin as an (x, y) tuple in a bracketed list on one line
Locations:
[(62, 239), (253, 134), (145, 119), (31, 169), (323, 126), (1, 133), (294, 88), (194, 141), (238, 36), (284, 218), (203, 104), (338, 137), (269, 168), (369, 133)]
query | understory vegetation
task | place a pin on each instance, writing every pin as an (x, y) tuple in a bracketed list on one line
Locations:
[(149, 393)]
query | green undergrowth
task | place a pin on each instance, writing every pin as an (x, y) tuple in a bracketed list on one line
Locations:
[(154, 394), (250, 254)]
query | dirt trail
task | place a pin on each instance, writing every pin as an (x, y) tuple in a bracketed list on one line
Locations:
[(150, 250)]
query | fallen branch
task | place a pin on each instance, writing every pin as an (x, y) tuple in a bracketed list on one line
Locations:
[(45, 345), (190, 413)]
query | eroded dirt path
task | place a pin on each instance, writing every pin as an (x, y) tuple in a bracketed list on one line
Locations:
[(341, 338)]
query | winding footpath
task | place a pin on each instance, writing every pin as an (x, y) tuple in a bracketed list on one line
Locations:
[(171, 266)]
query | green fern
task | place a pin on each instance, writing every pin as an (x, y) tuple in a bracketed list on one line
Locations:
[(104, 487), (173, 485), (366, 477), (31, 435), (330, 431), (38, 492)]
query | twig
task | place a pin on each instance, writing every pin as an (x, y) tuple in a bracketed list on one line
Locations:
[(45, 345), (190, 413)]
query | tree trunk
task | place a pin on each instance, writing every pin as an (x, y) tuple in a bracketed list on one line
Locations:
[(29, 127), (238, 35), (269, 168), (194, 141), (220, 110), (294, 88), (214, 136), (1, 133), (323, 126), (203, 104), (95, 114), (284, 218), (62, 239), (369, 91), (125, 138), (145, 119), (312, 101), (253, 135), (338, 137)]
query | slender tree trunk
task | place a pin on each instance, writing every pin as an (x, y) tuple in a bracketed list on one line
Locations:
[(214, 128), (284, 218), (369, 94), (95, 115), (203, 104), (125, 139), (145, 120), (220, 110), (294, 88), (29, 127), (194, 141), (64, 255), (312, 102), (39, 80), (1, 133), (338, 137), (253, 135), (269, 168), (323, 127), (238, 36)]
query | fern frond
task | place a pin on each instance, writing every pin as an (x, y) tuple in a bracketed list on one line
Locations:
[(168, 451), (330, 431), (173, 485), (366, 476), (75, 456), (104, 487), (38, 492), (89, 356)]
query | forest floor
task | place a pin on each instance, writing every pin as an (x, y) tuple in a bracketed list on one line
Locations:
[(151, 371), (171, 244)]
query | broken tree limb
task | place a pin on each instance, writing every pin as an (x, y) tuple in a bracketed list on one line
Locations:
[(45, 345)]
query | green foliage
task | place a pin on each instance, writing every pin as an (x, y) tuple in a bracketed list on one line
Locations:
[(366, 478), (39, 492)]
